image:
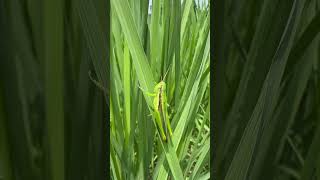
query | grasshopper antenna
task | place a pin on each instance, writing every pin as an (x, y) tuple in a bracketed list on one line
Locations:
[(166, 74)]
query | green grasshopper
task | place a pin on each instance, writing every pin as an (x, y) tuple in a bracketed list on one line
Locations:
[(160, 111)]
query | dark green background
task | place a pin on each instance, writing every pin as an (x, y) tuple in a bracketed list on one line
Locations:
[(266, 119), (53, 118)]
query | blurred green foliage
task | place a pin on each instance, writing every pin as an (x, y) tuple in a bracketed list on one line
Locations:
[(267, 90), (53, 118)]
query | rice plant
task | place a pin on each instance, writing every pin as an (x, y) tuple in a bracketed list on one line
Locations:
[(168, 42), (267, 94)]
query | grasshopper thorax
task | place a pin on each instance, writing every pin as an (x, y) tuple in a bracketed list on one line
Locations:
[(160, 86)]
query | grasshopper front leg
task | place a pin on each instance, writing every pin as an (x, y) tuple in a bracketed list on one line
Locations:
[(148, 93)]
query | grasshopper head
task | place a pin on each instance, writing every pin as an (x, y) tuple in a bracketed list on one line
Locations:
[(160, 85)]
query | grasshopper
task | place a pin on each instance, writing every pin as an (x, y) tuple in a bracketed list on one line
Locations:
[(160, 111)]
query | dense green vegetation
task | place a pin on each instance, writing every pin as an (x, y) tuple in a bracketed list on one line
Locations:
[(174, 38), (267, 96)]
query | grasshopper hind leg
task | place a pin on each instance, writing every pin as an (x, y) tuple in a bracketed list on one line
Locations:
[(163, 137), (160, 127)]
